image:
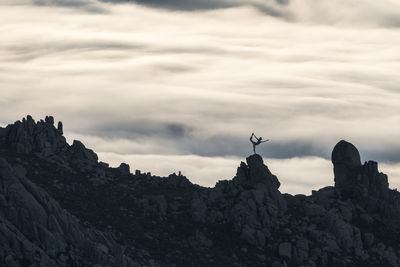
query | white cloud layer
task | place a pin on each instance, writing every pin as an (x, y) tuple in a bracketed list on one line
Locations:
[(131, 79), (296, 175)]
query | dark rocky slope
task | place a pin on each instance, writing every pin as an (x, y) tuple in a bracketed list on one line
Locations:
[(59, 206)]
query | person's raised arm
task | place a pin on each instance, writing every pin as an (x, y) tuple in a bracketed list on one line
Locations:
[(265, 141)]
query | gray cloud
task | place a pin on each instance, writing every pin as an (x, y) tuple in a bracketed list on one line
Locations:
[(87, 5), (179, 5), (95, 6), (91, 6), (385, 155), (270, 7), (368, 13), (141, 129), (184, 138)]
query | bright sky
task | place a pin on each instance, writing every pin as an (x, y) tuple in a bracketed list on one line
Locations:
[(180, 85)]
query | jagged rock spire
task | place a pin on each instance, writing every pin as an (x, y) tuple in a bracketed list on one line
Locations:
[(44, 139), (27, 136), (60, 127), (256, 172), (49, 120)]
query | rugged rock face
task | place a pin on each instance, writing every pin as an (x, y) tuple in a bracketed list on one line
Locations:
[(59, 206), (250, 203), (34, 229), (26, 137)]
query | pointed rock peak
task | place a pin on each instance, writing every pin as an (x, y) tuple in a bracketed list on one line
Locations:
[(29, 118), (82, 152), (346, 153), (60, 127), (257, 167), (78, 145), (256, 172), (254, 160), (124, 168), (49, 120)]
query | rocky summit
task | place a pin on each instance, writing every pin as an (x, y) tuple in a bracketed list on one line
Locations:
[(60, 206)]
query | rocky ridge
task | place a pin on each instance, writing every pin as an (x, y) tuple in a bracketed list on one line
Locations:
[(60, 206)]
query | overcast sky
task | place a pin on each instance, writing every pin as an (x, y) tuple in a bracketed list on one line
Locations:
[(181, 84)]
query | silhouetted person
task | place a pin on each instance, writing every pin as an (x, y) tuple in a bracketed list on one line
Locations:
[(257, 142)]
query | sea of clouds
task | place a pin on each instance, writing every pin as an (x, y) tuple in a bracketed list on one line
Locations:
[(180, 85)]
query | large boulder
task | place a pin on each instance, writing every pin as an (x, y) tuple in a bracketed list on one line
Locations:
[(354, 179), (346, 153), (346, 160)]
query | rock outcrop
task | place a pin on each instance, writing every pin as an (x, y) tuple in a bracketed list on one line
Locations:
[(354, 179), (27, 136), (59, 206), (346, 161), (251, 202)]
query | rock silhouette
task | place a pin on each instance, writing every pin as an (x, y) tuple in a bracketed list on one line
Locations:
[(352, 178), (60, 206)]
